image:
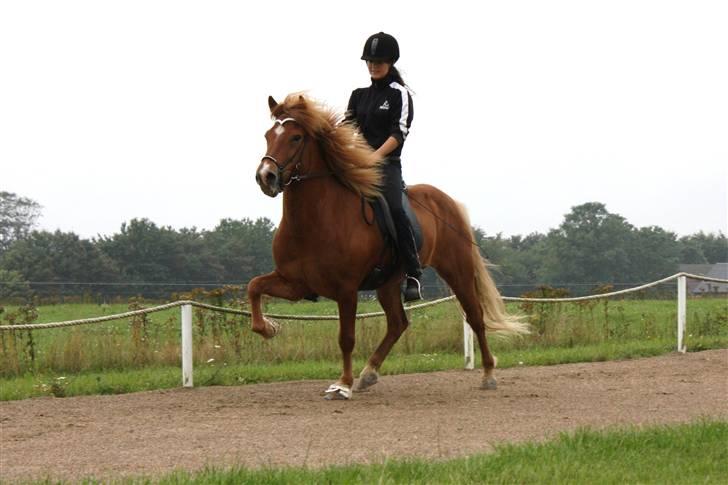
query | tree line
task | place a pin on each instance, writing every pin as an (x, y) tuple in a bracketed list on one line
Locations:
[(591, 246)]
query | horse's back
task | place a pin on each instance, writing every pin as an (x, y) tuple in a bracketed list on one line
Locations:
[(444, 222), (428, 199), (429, 193)]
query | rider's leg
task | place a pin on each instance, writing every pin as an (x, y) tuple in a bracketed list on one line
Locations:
[(405, 236)]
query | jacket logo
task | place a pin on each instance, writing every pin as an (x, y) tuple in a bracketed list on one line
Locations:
[(385, 105)]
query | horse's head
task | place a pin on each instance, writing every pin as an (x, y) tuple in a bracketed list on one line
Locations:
[(285, 140)]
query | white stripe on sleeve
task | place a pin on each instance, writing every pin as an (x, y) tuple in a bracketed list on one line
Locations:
[(405, 108)]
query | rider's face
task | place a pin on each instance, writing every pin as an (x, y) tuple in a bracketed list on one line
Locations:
[(378, 69)]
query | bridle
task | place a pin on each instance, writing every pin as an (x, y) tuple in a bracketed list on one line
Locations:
[(282, 167), (297, 158)]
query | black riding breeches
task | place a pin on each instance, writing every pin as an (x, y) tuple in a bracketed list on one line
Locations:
[(392, 192)]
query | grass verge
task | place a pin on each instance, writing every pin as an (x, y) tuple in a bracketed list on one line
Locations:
[(134, 380)]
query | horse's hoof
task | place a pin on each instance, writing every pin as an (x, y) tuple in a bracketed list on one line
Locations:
[(489, 384), (337, 392), (366, 380), (272, 328)]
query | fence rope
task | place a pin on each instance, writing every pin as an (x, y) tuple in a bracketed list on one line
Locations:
[(166, 306), (86, 321), (595, 297)]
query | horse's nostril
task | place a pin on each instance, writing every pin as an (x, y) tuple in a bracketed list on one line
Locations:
[(271, 179), (257, 177)]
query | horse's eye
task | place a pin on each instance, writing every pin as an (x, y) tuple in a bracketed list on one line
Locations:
[(296, 138)]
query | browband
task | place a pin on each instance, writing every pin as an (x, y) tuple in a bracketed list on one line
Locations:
[(280, 122)]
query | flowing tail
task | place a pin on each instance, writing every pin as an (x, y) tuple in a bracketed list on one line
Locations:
[(494, 310)]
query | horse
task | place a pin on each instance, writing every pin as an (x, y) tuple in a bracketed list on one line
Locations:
[(324, 246)]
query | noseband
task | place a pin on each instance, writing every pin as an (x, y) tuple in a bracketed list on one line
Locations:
[(298, 154)]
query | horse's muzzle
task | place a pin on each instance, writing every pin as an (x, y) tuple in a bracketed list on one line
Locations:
[(268, 179)]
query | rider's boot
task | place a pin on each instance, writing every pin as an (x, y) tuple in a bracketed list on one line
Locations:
[(408, 250)]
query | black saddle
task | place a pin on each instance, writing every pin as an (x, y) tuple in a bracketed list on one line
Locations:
[(382, 272)]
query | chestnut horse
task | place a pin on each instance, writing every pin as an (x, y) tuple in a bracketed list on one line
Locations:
[(323, 245)]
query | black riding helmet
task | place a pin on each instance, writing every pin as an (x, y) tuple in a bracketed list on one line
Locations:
[(381, 47)]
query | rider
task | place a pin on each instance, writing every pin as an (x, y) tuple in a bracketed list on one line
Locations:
[(383, 112)]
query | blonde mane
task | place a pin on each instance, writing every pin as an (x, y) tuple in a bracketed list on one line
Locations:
[(345, 151)]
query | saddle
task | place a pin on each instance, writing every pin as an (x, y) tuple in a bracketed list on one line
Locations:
[(383, 217), (383, 271)]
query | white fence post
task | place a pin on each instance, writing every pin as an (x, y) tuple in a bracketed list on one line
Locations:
[(682, 286), (186, 345), (468, 347)]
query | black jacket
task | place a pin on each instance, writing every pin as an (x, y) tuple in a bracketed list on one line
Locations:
[(382, 110)]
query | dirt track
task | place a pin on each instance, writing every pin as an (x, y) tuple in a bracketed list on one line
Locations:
[(436, 415)]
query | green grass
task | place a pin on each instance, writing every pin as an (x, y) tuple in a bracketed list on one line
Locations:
[(132, 355), (214, 373), (682, 454)]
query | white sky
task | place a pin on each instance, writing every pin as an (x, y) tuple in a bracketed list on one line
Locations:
[(157, 109)]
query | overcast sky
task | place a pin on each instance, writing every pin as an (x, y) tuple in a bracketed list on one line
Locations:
[(157, 109)]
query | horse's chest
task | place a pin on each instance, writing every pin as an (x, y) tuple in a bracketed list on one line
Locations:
[(303, 254), (319, 255)]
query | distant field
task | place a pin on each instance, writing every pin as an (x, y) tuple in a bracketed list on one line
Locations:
[(144, 353)]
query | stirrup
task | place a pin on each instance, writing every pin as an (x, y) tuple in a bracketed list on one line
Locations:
[(414, 289)]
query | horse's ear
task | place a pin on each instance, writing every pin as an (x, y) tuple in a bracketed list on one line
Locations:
[(272, 103), (301, 99)]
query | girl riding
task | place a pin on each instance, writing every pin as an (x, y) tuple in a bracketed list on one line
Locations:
[(383, 113)]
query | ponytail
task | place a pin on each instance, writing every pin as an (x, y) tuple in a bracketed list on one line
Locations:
[(394, 72)]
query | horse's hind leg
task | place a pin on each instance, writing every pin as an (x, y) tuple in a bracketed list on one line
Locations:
[(463, 285), (389, 298)]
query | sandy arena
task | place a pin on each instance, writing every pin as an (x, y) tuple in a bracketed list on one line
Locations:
[(434, 415)]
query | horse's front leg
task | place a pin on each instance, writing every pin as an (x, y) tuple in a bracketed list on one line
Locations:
[(347, 335), (272, 284)]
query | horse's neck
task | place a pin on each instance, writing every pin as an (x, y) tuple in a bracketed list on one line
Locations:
[(315, 204), (316, 199)]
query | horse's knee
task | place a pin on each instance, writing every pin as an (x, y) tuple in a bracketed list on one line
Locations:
[(254, 287)]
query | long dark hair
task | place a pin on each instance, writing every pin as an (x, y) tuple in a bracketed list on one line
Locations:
[(394, 72)]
